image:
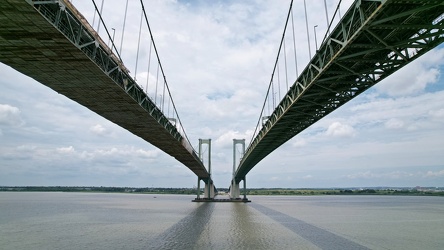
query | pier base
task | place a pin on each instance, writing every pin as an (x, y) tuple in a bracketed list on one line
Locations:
[(209, 190), (234, 190), (220, 200)]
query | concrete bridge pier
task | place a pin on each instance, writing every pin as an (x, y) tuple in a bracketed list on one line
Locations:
[(198, 188), (234, 190), (209, 190), (245, 188)]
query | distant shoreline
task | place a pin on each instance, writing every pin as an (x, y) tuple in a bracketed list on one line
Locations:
[(428, 191)]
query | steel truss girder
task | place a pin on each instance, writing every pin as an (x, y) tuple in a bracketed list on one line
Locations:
[(373, 40), (66, 20)]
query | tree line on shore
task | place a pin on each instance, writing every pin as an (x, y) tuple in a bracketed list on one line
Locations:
[(101, 189), (250, 191)]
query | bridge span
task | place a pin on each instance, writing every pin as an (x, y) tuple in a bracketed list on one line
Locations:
[(53, 43), (372, 40)]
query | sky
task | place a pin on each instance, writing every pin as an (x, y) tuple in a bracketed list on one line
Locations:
[(218, 57)]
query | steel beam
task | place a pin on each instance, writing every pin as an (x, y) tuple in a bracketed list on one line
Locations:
[(64, 53), (373, 40)]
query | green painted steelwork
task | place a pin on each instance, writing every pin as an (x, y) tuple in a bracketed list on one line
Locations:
[(373, 40), (52, 42), (88, 41)]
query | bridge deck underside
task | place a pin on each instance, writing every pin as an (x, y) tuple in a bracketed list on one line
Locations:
[(372, 41), (34, 47)]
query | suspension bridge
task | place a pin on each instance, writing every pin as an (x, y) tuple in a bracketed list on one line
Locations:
[(369, 43), (52, 42)]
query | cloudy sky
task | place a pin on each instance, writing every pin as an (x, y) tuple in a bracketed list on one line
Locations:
[(218, 57)]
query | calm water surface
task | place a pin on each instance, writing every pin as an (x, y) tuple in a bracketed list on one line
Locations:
[(133, 221)]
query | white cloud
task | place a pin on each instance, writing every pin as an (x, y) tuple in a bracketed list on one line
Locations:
[(26, 148), (435, 174), (423, 111), (98, 129), (147, 153), (439, 114), (274, 178), (389, 175), (226, 139), (394, 124), (66, 150), (396, 175), (121, 152), (415, 77), (10, 115), (337, 129), (299, 142)]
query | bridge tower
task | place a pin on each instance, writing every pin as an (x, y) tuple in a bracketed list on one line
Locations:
[(234, 189), (209, 185)]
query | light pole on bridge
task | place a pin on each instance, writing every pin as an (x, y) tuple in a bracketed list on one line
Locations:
[(316, 41)]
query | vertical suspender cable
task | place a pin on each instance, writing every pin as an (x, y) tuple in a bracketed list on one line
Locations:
[(286, 74), (334, 15), (279, 86), (294, 45), (157, 81), (163, 96), (148, 70), (272, 93), (106, 29), (172, 103), (326, 17), (138, 47), (339, 10), (95, 10), (279, 83), (168, 112), (308, 33), (163, 73), (101, 9), (123, 29)]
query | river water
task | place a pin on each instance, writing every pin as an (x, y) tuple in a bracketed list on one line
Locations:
[(142, 221)]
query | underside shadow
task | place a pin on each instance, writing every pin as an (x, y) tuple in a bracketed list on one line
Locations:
[(317, 236), (185, 233)]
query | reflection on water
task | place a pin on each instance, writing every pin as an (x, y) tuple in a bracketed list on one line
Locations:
[(185, 233), (127, 221), (244, 230), (318, 236)]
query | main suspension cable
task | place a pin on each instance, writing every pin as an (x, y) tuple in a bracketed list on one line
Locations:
[(270, 85), (163, 73), (106, 29), (329, 25)]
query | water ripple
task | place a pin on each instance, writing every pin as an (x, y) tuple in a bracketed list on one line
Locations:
[(317, 236), (185, 233)]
